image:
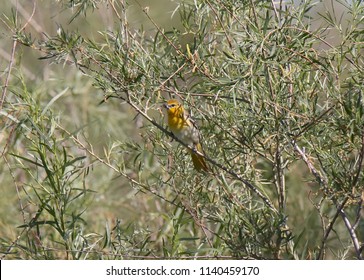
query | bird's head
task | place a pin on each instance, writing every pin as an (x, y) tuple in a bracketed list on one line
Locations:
[(173, 107)]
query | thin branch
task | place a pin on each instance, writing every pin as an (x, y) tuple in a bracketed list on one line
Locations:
[(340, 211), (279, 177), (275, 10), (27, 72), (329, 229), (199, 222), (5, 88), (360, 161), (29, 17), (254, 13), (15, 242), (221, 24), (198, 67), (358, 211), (352, 233), (320, 178), (12, 56)]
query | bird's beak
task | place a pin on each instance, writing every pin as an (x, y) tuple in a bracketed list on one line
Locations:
[(165, 105)]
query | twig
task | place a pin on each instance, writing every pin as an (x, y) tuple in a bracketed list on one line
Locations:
[(198, 67), (12, 56), (27, 72), (221, 24), (323, 181), (199, 222), (352, 234), (25, 14), (12, 244), (254, 13), (275, 10), (5, 88), (358, 212), (360, 161), (17, 190), (21, 210), (320, 179), (280, 179), (328, 230)]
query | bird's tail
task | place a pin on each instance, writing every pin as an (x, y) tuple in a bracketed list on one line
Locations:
[(198, 161)]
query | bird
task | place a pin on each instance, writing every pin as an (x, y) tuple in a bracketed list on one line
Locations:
[(184, 128)]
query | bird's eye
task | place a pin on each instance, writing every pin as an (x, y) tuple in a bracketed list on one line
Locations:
[(173, 105)]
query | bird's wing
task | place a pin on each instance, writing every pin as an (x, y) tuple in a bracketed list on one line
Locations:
[(196, 136)]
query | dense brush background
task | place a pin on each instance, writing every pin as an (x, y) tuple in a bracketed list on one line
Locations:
[(88, 171)]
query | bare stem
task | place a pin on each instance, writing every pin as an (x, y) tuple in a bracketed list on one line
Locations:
[(340, 211)]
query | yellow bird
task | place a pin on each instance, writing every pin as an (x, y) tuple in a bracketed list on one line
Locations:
[(183, 127)]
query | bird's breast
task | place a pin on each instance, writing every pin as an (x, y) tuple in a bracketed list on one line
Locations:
[(183, 130)]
